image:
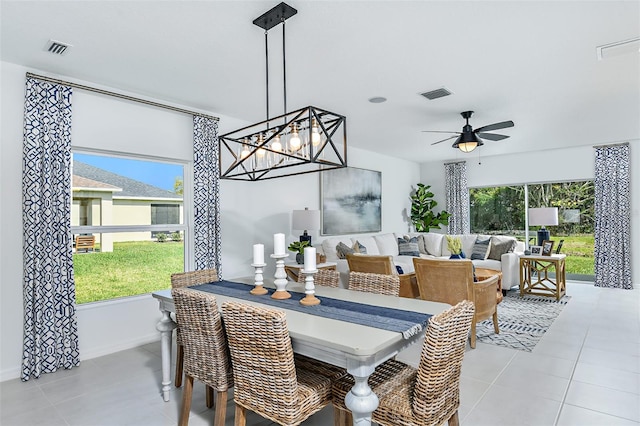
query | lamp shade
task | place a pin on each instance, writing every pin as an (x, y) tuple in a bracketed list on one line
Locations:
[(467, 142), (543, 216), (306, 220)]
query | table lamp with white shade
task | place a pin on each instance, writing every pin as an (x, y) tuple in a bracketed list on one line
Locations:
[(543, 216), (306, 220)]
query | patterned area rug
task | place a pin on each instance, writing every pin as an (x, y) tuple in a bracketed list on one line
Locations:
[(522, 320)]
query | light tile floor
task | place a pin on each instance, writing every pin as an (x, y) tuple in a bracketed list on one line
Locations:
[(585, 371)]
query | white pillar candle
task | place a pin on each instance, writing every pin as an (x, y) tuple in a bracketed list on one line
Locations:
[(309, 258), (258, 254), (278, 244)]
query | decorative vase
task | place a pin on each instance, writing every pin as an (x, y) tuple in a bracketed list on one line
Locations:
[(455, 256), (300, 258)]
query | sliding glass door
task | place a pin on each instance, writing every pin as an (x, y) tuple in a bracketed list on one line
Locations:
[(501, 210)]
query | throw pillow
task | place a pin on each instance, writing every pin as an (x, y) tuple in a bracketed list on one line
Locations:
[(343, 250), (481, 249), (359, 248), (498, 249), (408, 246)]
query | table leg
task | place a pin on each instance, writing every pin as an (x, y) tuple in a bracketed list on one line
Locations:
[(165, 327), (361, 400)]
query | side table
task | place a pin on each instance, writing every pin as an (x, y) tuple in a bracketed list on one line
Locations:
[(293, 269), (536, 275)]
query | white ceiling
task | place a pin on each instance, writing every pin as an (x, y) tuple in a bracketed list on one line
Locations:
[(533, 62)]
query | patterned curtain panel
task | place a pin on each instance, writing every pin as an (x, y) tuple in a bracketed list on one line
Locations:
[(50, 323), (457, 197), (206, 194), (613, 217)]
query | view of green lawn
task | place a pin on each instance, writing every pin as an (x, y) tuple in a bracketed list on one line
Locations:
[(135, 267), (579, 251)]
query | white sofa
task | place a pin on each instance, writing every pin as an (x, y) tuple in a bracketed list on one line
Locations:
[(431, 245)]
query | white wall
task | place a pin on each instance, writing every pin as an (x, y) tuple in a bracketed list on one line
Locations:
[(564, 164), (251, 211)]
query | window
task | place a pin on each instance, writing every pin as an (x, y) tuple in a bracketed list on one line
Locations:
[(135, 210), (501, 210)]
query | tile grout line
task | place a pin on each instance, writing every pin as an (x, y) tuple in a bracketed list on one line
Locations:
[(573, 370), (506, 365)]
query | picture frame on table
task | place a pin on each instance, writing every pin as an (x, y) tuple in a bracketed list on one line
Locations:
[(547, 247), (536, 250)]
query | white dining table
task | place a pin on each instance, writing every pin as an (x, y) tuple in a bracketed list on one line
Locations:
[(358, 348)]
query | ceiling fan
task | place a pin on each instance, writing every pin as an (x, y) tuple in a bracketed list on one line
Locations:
[(470, 139)]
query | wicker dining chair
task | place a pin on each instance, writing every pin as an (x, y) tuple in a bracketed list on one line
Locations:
[(451, 281), (375, 283), (188, 279), (428, 395), (206, 354), (324, 277), (379, 264), (267, 380)]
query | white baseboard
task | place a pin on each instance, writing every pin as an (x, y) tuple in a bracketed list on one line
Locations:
[(10, 374), (122, 346), (14, 373)]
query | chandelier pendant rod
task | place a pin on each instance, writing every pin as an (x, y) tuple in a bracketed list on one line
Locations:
[(284, 66), (266, 69)]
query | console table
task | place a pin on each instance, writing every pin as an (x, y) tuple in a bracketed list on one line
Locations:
[(543, 275)]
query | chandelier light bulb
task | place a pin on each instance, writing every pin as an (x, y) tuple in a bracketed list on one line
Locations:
[(260, 152), (275, 143), (315, 133), (245, 149), (294, 140)]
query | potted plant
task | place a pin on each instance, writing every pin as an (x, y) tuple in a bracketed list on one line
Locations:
[(298, 247), (422, 214), (454, 244)]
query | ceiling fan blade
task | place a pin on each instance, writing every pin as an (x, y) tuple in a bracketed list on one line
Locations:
[(444, 140), (495, 126), (439, 131), (491, 136)]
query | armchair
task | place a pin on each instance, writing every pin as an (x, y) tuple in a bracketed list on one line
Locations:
[(451, 281), (383, 265)]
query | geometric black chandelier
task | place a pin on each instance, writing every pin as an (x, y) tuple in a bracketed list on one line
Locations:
[(303, 141)]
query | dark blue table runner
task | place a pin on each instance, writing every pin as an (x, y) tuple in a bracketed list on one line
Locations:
[(406, 322)]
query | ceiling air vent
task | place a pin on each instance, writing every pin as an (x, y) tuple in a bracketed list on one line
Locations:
[(618, 48), (435, 94), (57, 47)]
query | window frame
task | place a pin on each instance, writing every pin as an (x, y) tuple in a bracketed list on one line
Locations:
[(187, 204)]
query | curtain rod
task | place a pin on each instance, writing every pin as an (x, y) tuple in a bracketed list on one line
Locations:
[(119, 95), (611, 145), (455, 162)]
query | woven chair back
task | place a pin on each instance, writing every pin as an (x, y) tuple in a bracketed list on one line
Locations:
[(447, 281), (206, 354), (436, 395), (263, 363), (324, 277), (374, 264), (375, 283), (187, 279)]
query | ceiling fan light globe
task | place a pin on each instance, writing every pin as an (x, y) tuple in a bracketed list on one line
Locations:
[(467, 146)]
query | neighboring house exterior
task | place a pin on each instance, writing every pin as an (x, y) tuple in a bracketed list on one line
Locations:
[(102, 198)]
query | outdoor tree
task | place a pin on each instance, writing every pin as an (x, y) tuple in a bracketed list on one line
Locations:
[(178, 186)]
